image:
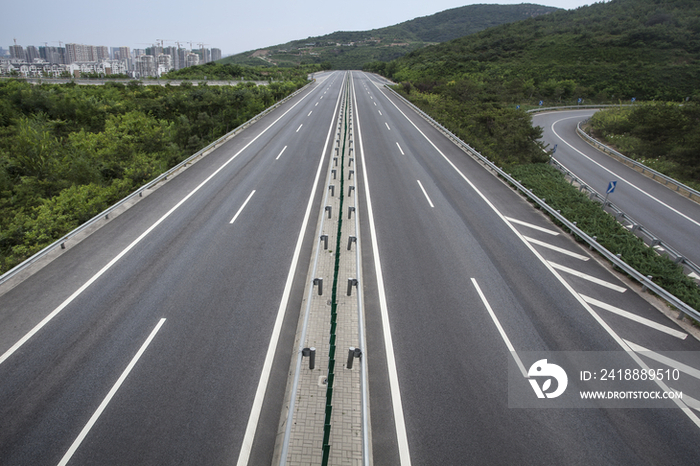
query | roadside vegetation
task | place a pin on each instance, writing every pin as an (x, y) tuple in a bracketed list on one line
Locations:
[(661, 135), (68, 152), (219, 71), (548, 183), (479, 86)]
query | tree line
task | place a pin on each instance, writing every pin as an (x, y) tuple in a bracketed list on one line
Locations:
[(663, 136), (67, 152)]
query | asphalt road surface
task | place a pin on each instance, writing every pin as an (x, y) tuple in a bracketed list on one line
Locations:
[(670, 216), (448, 232), (156, 359), (165, 336)]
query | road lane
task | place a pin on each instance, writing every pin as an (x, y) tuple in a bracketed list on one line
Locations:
[(670, 216), (219, 286), (451, 361)]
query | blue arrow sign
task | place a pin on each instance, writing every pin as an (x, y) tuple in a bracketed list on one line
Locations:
[(611, 187), (541, 102), (554, 151)]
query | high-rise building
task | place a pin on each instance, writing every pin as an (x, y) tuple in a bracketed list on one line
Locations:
[(146, 66), (192, 59), (102, 53), (215, 54), (182, 58), (77, 53), (125, 56), (174, 55), (53, 55), (17, 51), (165, 63), (32, 53)]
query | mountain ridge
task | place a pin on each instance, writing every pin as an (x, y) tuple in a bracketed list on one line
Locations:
[(352, 49)]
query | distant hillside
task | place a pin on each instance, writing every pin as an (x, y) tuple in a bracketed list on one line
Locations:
[(605, 52), (351, 50), (647, 49)]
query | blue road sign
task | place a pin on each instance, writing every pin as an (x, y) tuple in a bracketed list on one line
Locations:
[(611, 187), (554, 151), (541, 102)]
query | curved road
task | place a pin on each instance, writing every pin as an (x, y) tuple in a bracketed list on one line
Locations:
[(670, 216)]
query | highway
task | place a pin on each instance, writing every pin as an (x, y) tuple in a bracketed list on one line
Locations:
[(159, 323), (451, 238), (670, 216), (165, 337)]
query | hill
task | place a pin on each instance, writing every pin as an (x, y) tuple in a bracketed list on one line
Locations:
[(647, 49), (351, 50), (614, 51)]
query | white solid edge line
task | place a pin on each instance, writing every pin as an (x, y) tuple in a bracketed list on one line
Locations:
[(691, 371), (557, 249), (534, 227), (252, 425), (399, 422), (104, 269), (280, 154), (425, 194), (587, 277), (242, 207), (504, 336), (635, 317), (622, 343), (91, 422), (621, 178)]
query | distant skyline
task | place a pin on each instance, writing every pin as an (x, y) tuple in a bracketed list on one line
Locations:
[(229, 26)]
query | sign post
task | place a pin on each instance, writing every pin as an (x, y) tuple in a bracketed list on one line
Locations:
[(610, 190)]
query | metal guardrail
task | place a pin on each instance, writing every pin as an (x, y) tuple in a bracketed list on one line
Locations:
[(655, 175), (575, 107), (635, 227), (593, 244), (139, 192)]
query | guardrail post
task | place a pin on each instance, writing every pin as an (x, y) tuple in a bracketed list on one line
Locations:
[(350, 188), (329, 209), (351, 282), (352, 354), (319, 282), (324, 238), (332, 188), (351, 239), (311, 353), (351, 209)]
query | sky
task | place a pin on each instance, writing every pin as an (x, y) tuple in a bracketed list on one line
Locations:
[(232, 26)]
